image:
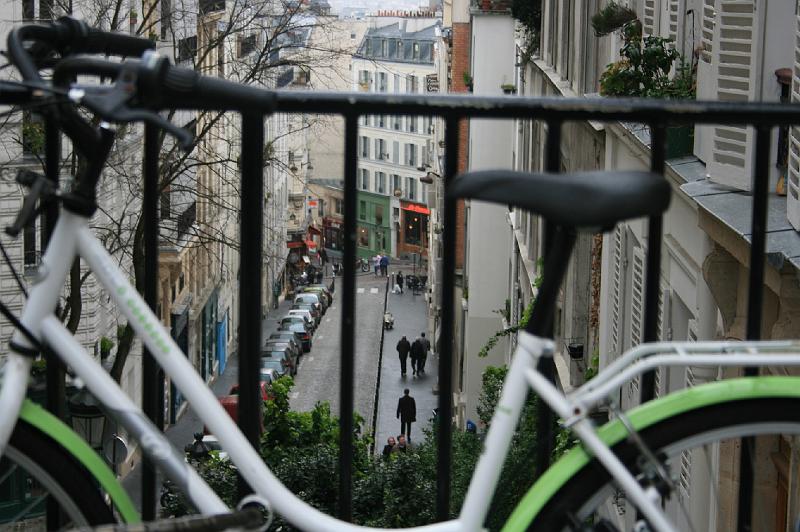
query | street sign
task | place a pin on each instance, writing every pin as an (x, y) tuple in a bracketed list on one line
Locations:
[(432, 82)]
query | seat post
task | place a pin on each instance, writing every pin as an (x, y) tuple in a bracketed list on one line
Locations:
[(555, 267)]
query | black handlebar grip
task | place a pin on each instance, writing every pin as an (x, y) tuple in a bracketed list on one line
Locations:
[(104, 42), (181, 80)]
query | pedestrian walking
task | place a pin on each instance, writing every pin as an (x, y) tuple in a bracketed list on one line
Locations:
[(416, 353), (406, 413), (400, 281), (384, 265), (422, 352), (376, 262), (403, 348), (389, 447)]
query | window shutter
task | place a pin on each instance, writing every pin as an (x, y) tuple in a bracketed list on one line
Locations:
[(734, 59), (706, 79), (617, 289), (637, 296), (407, 154), (672, 22), (793, 178), (395, 151)]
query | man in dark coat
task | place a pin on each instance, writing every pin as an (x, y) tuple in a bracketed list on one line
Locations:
[(403, 348), (416, 353), (406, 413), (400, 281)]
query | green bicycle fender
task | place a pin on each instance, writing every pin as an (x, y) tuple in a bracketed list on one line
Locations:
[(642, 417), (88, 458)]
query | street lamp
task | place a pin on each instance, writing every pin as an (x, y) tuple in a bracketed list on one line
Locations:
[(86, 418), (429, 177)]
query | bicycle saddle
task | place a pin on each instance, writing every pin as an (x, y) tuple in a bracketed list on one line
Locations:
[(577, 199)]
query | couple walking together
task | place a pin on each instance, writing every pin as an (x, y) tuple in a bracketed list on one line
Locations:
[(418, 351)]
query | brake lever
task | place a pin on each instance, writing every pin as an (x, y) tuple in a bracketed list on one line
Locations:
[(39, 187), (112, 105)]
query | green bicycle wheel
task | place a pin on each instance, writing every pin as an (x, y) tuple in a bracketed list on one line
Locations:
[(578, 489), (36, 471)]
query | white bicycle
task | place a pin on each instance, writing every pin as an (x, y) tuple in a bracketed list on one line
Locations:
[(639, 454)]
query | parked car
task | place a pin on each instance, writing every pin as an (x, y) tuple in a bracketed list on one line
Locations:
[(281, 345), (314, 312), (283, 355), (288, 336), (268, 375), (322, 290), (312, 298), (305, 314), (297, 319), (275, 365), (302, 330), (266, 392)]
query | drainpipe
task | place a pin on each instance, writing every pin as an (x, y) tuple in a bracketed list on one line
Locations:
[(513, 314)]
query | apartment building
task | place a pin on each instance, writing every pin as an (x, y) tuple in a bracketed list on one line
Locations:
[(395, 153), (742, 50)]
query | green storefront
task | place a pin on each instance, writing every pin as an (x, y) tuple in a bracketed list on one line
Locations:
[(373, 234)]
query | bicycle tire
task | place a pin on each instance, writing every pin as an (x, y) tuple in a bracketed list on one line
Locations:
[(59, 475), (686, 430)]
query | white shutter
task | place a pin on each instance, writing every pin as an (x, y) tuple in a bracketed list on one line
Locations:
[(672, 22), (651, 9), (637, 297), (793, 178), (617, 289), (664, 327), (734, 58), (706, 79)]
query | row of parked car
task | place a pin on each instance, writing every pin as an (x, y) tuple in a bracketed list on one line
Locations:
[(282, 350)]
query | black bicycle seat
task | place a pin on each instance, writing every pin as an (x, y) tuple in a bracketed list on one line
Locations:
[(577, 199)]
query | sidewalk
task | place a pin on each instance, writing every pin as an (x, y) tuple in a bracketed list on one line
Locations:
[(410, 319), (183, 431)]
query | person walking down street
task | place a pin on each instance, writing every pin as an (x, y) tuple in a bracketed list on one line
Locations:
[(389, 447), (384, 265), (376, 262), (403, 348), (400, 281), (424, 347), (406, 413), (416, 351)]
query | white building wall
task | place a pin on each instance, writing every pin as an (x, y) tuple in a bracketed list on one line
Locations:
[(488, 248)]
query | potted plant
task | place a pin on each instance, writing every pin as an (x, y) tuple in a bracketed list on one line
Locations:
[(508, 88), (645, 70), (468, 81), (106, 344)]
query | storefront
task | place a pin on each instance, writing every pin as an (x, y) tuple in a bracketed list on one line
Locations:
[(373, 230), (412, 233), (208, 334), (179, 333), (333, 238)]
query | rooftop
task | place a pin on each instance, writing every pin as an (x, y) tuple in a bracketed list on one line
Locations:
[(394, 43)]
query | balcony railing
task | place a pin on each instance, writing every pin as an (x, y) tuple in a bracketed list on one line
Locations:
[(554, 112)]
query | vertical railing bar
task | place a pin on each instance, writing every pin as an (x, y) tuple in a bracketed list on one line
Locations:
[(151, 386), (56, 391), (444, 418), (346, 389), (655, 226), (758, 230), (250, 266), (544, 415)]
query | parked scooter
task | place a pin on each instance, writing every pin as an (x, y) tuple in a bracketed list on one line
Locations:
[(388, 321)]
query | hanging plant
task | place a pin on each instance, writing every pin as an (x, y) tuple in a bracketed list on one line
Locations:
[(611, 18)]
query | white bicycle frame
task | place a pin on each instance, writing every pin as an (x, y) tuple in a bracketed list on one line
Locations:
[(73, 237)]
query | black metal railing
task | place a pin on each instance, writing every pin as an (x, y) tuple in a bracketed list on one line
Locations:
[(452, 108)]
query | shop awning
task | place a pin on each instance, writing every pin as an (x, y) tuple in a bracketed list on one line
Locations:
[(295, 244), (310, 244), (312, 229), (415, 208)]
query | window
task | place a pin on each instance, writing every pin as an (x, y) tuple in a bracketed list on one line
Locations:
[(29, 244), (28, 10), (166, 18), (383, 82), (385, 48), (364, 179), (165, 205), (381, 120), (416, 50), (362, 120), (380, 150), (380, 182), (207, 6), (427, 125), (396, 86), (397, 185), (187, 48), (365, 147), (338, 206), (411, 121), (247, 44), (411, 84), (396, 120), (411, 155), (380, 240), (378, 215), (412, 188), (362, 210), (364, 79), (363, 237)]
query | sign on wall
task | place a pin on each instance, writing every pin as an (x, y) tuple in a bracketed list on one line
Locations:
[(432, 83)]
